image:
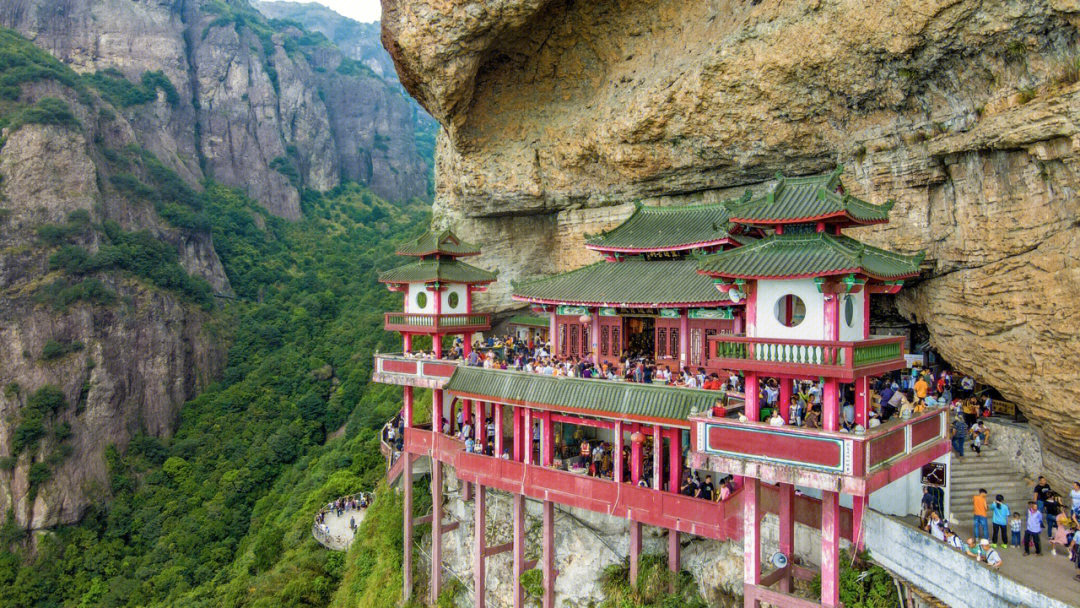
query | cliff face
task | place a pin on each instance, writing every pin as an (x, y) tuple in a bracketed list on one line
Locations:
[(265, 107), (557, 113)]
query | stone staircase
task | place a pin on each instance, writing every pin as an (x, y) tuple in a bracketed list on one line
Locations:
[(993, 471)]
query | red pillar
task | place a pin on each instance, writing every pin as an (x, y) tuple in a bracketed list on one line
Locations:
[(528, 436), (552, 334), (673, 550), (466, 345), (406, 342), (595, 337), (635, 457), (549, 554), (753, 406), (674, 460), (407, 410), (787, 528), (738, 328), (519, 444), (832, 316), (618, 446), (547, 444), (830, 549), (635, 551), (751, 308), (862, 400), (436, 410), (858, 510), (436, 529), (466, 411), (785, 399), (406, 563), (684, 337), (519, 549), (479, 546), (830, 405), (498, 430), (751, 537), (866, 314), (657, 457)]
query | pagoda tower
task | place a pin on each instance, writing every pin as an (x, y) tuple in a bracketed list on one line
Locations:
[(806, 288), (438, 290)]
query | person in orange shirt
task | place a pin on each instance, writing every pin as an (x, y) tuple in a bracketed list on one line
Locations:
[(981, 528), (921, 387)]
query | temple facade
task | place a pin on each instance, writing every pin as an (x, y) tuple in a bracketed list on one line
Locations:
[(766, 288)]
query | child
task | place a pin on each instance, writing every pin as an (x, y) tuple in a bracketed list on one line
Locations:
[(1015, 526), (1061, 533)]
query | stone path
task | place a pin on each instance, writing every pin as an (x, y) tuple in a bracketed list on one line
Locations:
[(340, 535), (994, 471)]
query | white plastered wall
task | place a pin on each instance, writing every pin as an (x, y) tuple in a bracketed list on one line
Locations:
[(454, 288), (768, 326), (855, 329), (413, 306)]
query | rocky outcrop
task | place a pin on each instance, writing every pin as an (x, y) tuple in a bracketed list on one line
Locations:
[(267, 109), (964, 112)]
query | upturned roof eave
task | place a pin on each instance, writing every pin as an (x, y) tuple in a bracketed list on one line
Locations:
[(806, 275), (602, 304), (681, 247), (842, 214)]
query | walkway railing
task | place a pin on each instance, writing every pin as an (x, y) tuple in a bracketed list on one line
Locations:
[(421, 322), (840, 359)]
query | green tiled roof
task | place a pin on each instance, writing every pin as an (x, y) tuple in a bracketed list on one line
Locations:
[(529, 321), (666, 228), (601, 398), (806, 199), (809, 254), (445, 242), (633, 282), (445, 271)]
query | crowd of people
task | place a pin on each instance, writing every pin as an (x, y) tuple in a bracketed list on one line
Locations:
[(351, 505)]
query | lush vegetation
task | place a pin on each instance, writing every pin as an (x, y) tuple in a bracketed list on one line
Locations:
[(657, 587), (122, 93), (220, 514), (863, 584)]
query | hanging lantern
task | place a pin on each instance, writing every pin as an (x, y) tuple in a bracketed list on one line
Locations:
[(637, 437), (585, 318)]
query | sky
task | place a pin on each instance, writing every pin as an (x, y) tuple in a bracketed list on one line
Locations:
[(361, 10)]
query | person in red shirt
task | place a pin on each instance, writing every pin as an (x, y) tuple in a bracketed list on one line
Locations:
[(718, 410)]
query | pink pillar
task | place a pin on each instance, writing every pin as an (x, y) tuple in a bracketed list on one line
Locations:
[(830, 549), (751, 309), (753, 406), (436, 529), (674, 460), (635, 551), (739, 321), (549, 554), (436, 410), (547, 435), (452, 416), (862, 400), (480, 414), (519, 549), (528, 436), (519, 442), (684, 337), (406, 342), (635, 456), (866, 314), (858, 510), (751, 533), (595, 337), (466, 344), (832, 316), (785, 399), (787, 528), (406, 563), (830, 405), (407, 409), (673, 550), (479, 546), (618, 446), (498, 430), (657, 457), (552, 334), (466, 411)]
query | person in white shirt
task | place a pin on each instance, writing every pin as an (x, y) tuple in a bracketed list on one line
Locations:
[(776, 420), (990, 555)]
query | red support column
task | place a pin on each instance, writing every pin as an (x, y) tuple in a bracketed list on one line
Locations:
[(751, 535), (832, 316), (407, 409), (787, 528), (451, 417), (466, 411), (547, 444), (595, 337), (549, 554), (858, 510), (830, 405), (657, 457), (866, 314), (785, 399), (738, 328), (618, 446), (519, 549), (862, 400), (479, 546), (675, 462), (528, 436), (830, 549), (751, 309), (635, 456), (466, 345), (753, 406), (436, 529), (406, 342), (406, 562), (674, 549), (498, 430), (436, 410), (635, 551), (553, 336), (519, 444), (684, 337)]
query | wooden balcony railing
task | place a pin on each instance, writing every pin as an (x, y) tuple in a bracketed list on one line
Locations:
[(410, 371), (841, 359), (421, 323), (818, 458)]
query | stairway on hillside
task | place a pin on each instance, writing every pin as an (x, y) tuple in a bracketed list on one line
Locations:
[(996, 472)]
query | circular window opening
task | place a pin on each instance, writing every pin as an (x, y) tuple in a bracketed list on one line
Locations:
[(452, 300), (421, 300), (790, 310), (849, 310)]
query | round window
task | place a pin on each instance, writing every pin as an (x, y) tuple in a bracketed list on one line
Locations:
[(421, 299), (790, 310), (849, 310), (452, 300)]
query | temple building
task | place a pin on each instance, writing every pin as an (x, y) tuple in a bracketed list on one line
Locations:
[(764, 288)]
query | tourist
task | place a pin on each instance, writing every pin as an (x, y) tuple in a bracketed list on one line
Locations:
[(776, 419), (967, 385), (922, 387), (1016, 524), (970, 410), (1052, 508), (1061, 535), (848, 415), (978, 434), (953, 540), (1042, 493), (927, 506), (999, 517), (979, 502), (973, 549), (705, 491), (907, 404), (813, 419), (1033, 528), (892, 405), (990, 555), (959, 435), (936, 527)]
